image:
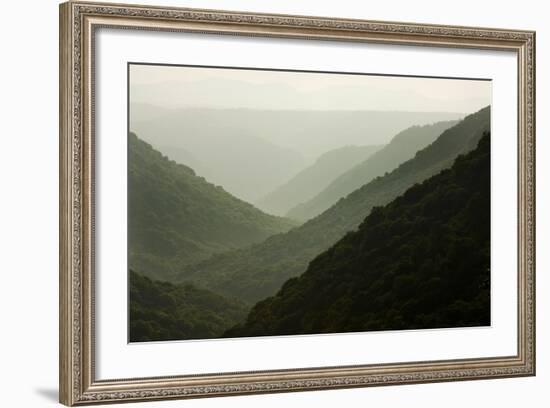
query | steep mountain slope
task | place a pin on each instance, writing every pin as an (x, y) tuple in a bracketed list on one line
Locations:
[(313, 179), (401, 148), (256, 272), (163, 311), (422, 261), (176, 217)]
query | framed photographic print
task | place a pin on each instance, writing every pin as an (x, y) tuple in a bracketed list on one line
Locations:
[(256, 203)]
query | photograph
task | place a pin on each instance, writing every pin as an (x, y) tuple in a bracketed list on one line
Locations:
[(270, 202), (267, 201)]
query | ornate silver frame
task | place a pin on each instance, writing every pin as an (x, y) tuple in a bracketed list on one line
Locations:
[(78, 22)]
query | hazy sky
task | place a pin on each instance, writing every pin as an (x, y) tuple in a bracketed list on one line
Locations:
[(177, 87)]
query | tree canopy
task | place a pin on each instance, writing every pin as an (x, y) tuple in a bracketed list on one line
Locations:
[(421, 261)]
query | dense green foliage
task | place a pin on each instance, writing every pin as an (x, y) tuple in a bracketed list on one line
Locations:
[(163, 311), (422, 261), (258, 271), (313, 179), (401, 148), (176, 217)]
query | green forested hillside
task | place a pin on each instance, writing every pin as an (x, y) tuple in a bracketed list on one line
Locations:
[(401, 148), (313, 179), (176, 217), (163, 311), (422, 261), (258, 271)]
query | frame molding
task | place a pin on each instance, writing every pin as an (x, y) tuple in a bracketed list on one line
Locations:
[(78, 21)]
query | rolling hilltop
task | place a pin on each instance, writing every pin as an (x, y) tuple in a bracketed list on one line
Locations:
[(422, 261), (177, 217), (402, 147), (258, 271)]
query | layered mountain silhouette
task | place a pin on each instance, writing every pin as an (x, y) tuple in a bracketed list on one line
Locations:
[(258, 271), (401, 148), (163, 311), (313, 179), (225, 153), (421, 261), (176, 217), (251, 152)]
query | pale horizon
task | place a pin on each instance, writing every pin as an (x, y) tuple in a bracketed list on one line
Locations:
[(177, 87)]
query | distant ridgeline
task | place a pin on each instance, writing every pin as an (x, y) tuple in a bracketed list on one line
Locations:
[(402, 147), (255, 272), (176, 217), (309, 182), (251, 152), (422, 261)]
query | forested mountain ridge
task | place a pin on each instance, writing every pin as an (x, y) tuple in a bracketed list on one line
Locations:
[(402, 147), (258, 271), (313, 179), (176, 217), (422, 261), (161, 311)]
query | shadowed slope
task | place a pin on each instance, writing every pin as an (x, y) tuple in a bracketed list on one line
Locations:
[(176, 217), (258, 271), (420, 262)]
